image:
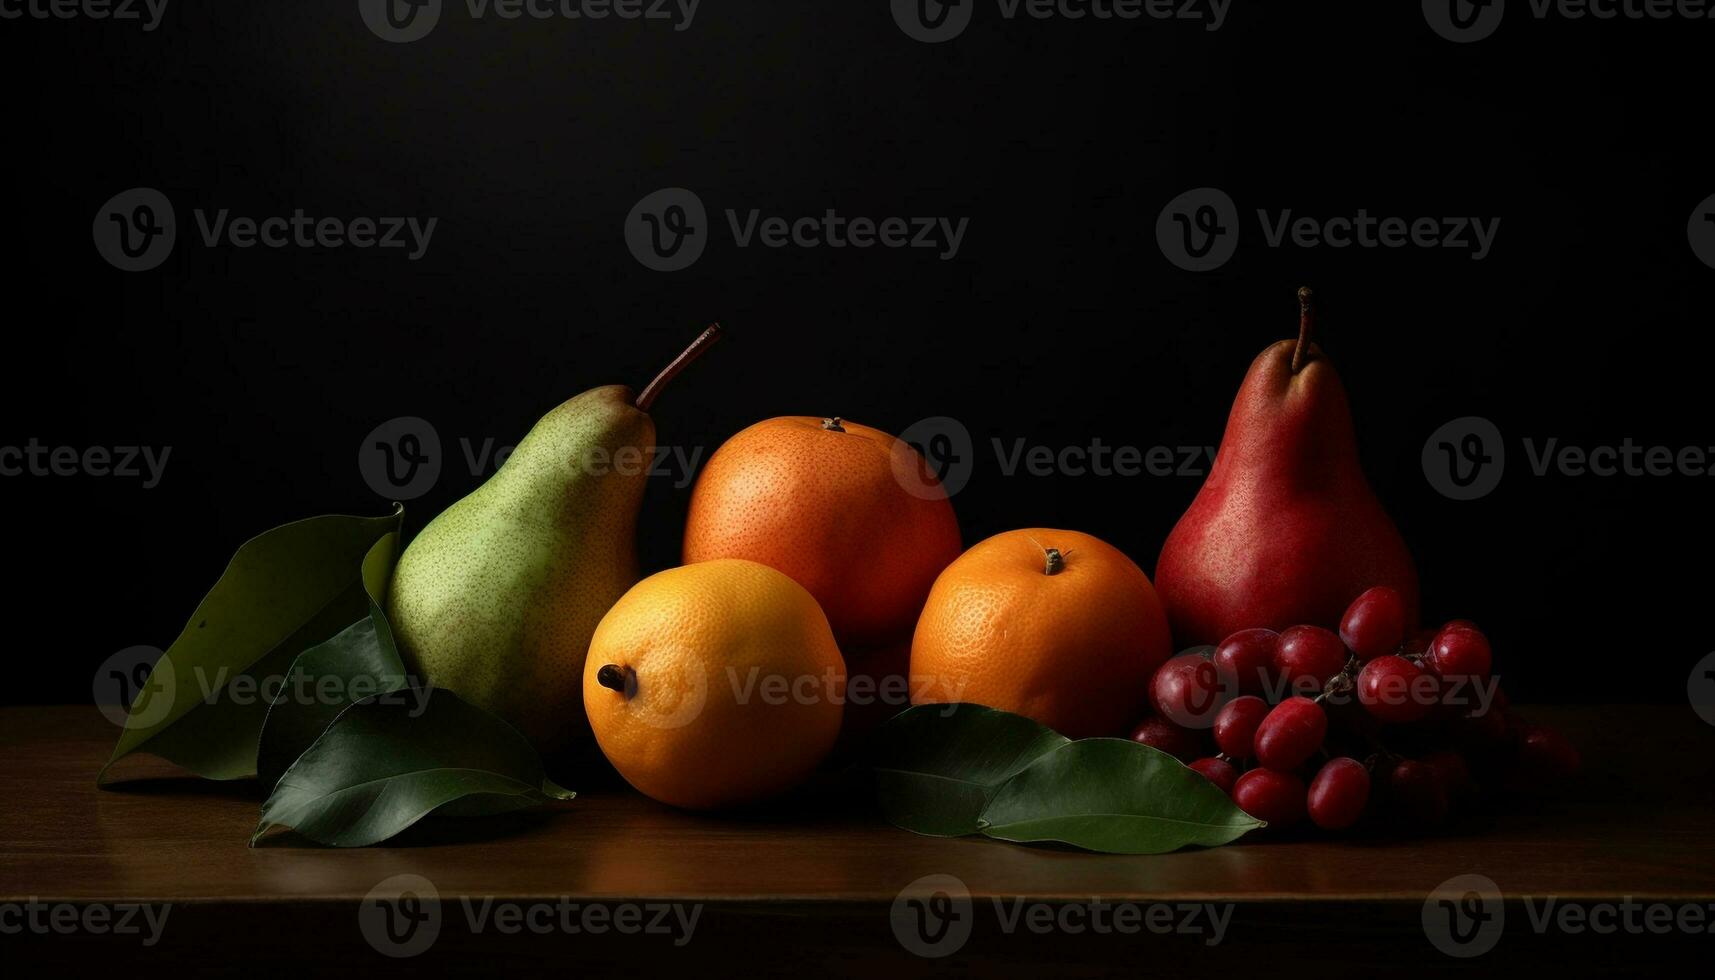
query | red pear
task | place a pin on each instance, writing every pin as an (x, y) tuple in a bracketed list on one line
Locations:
[(1285, 530)]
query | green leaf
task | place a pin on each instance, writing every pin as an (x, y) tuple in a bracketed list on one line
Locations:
[(386, 763), (359, 662), (284, 591), (938, 765), (1115, 796)]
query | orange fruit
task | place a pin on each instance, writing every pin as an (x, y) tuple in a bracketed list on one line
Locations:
[(1055, 625), (714, 684), (850, 512)]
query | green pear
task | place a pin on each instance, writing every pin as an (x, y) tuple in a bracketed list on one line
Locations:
[(498, 597)]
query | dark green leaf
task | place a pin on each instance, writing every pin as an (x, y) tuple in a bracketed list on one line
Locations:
[(359, 662), (387, 762), (284, 591), (1115, 796), (937, 765)]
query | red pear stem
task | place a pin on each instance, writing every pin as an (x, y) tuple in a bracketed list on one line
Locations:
[(703, 342), (1306, 324)]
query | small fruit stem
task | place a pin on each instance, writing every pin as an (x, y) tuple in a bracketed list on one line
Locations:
[(835, 424), (614, 678), (1306, 323), (704, 341), (1053, 561)]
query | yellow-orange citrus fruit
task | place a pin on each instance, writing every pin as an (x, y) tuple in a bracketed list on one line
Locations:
[(850, 512), (714, 684), (1056, 625)]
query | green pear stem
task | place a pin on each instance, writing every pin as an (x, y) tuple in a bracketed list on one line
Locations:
[(1306, 323), (704, 341)]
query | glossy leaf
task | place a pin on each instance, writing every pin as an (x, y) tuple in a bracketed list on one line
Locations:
[(284, 591), (938, 765), (1115, 796), (385, 763)]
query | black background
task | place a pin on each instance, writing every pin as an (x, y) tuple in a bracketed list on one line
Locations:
[(1059, 322)]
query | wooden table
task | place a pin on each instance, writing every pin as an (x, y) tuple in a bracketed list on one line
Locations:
[(821, 889)]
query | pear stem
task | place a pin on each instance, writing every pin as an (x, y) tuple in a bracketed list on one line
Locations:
[(704, 341), (1306, 324)]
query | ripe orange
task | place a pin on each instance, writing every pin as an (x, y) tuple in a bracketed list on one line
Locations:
[(1056, 625), (850, 512), (714, 684)]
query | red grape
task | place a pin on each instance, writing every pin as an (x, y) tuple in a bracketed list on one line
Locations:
[(1291, 734), (1374, 624), (1307, 656), (1544, 751), (1217, 771), (1415, 791), (1246, 661), (1159, 733), (1187, 691), (1274, 797), (1460, 651), (1338, 794), (1236, 725), (1395, 690), (1455, 774)]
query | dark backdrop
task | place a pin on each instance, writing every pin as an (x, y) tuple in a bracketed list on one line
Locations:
[(1059, 322)]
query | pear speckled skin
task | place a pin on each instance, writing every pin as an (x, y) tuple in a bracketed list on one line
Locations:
[(1286, 530), (498, 597)]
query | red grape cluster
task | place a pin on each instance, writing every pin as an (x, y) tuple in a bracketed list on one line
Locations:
[(1309, 723)]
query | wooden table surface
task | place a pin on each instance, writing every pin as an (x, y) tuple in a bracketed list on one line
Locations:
[(817, 889)]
